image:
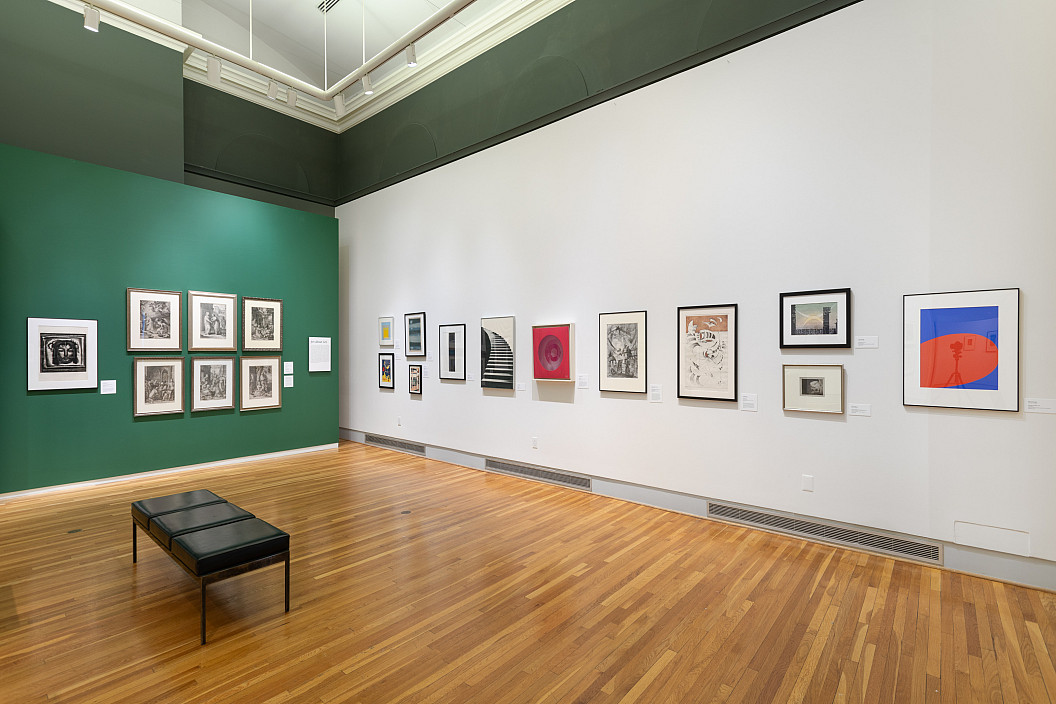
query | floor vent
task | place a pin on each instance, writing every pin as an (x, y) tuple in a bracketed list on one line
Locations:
[(401, 445), (546, 475), (830, 532)]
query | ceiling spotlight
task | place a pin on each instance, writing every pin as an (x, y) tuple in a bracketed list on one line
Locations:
[(91, 18), (212, 70), (339, 105), (273, 90), (291, 97), (412, 59), (368, 87)]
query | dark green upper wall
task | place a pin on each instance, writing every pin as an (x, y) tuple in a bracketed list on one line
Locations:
[(110, 98)]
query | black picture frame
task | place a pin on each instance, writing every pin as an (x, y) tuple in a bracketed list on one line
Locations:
[(414, 346), (812, 327), (386, 372), (707, 352)]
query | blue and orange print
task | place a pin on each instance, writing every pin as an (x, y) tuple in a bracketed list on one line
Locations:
[(959, 348)]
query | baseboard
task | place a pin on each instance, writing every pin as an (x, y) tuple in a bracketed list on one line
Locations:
[(1014, 569), (170, 470)]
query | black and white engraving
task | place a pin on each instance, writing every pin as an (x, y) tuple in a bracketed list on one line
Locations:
[(260, 381), (213, 321), (262, 321), (63, 353), (212, 382), (812, 386), (159, 385), (155, 320), (622, 351)]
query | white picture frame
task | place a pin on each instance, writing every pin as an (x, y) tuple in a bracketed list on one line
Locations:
[(813, 388), (386, 331), (622, 353), (62, 353)]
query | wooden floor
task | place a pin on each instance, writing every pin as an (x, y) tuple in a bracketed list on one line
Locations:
[(418, 581)]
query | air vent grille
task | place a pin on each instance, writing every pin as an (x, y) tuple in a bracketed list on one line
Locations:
[(878, 542), (546, 475), (401, 445)]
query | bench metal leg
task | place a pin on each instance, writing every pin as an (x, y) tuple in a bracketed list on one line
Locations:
[(203, 612), (133, 540), (287, 581)]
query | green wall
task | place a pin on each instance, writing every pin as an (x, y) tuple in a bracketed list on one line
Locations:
[(73, 237)]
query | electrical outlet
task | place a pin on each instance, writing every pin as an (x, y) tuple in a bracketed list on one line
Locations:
[(535, 443)]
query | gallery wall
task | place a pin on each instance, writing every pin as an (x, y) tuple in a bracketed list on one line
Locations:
[(893, 147), (73, 238)]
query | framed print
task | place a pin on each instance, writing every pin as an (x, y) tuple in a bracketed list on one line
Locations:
[(961, 349), (496, 352), (817, 388), (261, 383), (414, 334), (154, 322), (386, 375), (707, 352), (261, 324), (414, 378), (62, 354), (453, 352), (385, 337), (816, 318), (553, 358), (621, 352), (213, 318), (212, 383), (157, 384)]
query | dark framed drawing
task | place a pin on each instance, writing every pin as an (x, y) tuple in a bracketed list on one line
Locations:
[(262, 324), (154, 320), (157, 384), (707, 352), (213, 319), (817, 388), (212, 383), (453, 352), (622, 357), (414, 378), (414, 334), (816, 318), (62, 354), (260, 383), (497, 352), (961, 349), (553, 354), (385, 331), (386, 375)]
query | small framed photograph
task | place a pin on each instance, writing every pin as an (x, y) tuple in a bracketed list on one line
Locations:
[(707, 352), (386, 374), (261, 324), (497, 352), (552, 352), (816, 318), (621, 352), (62, 354), (261, 383), (414, 378), (157, 384), (212, 383), (961, 349), (385, 331), (213, 319), (414, 334), (453, 352), (817, 388), (154, 320)]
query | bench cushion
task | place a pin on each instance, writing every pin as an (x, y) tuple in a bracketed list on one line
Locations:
[(169, 525), (143, 511), (213, 549)]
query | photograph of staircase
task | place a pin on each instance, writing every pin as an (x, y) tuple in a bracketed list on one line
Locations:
[(496, 353)]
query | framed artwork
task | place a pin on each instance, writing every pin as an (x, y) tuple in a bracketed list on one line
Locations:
[(414, 334), (212, 383), (157, 384), (553, 357), (213, 319), (386, 377), (453, 352), (497, 352), (816, 318), (154, 322), (621, 352), (817, 388), (261, 324), (261, 383), (385, 337), (414, 378), (707, 352), (62, 354), (961, 349)]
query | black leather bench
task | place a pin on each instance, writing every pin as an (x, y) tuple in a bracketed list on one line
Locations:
[(210, 538)]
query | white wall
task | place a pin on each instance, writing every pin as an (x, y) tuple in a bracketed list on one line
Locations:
[(896, 146)]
